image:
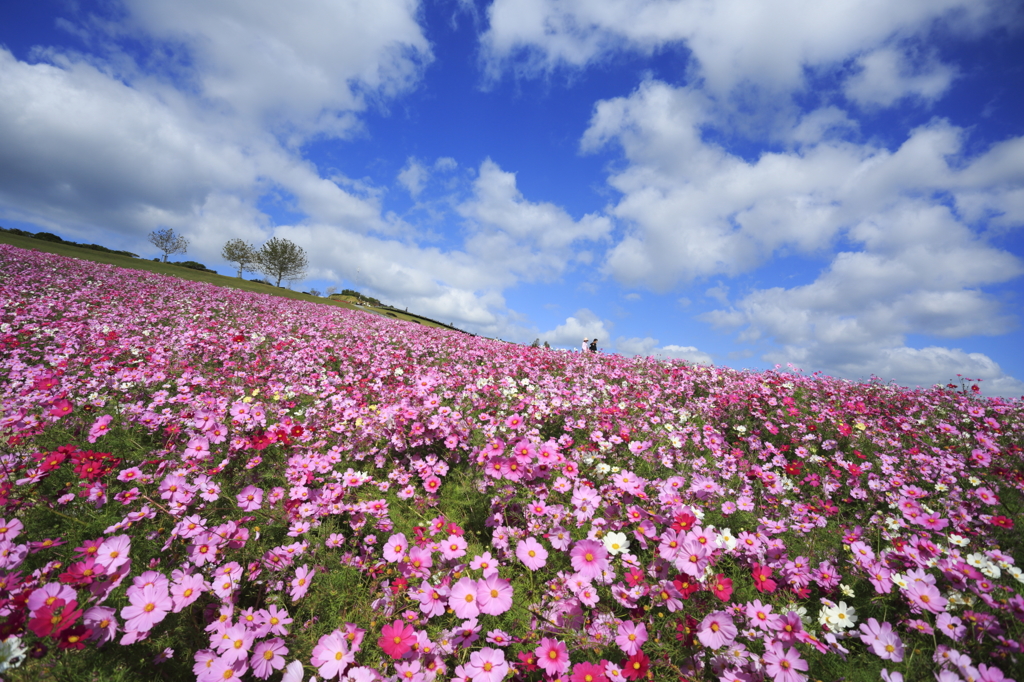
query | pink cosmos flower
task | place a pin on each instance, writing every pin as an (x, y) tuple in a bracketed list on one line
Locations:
[(950, 625), (463, 599), (148, 606), (484, 562), (113, 552), (101, 620), (409, 671), (300, 584), (761, 616), (234, 643), (925, 596), (331, 655), (272, 621), (222, 669), (552, 656), (433, 599), (494, 595), (187, 590), (589, 558), (631, 636), (267, 657), (784, 665), (532, 554), (418, 562), (10, 529), (395, 548), (717, 630), (487, 665), (49, 593), (454, 547), (100, 427), (250, 499)]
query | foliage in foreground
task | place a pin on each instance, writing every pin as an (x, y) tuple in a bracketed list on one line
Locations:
[(201, 483)]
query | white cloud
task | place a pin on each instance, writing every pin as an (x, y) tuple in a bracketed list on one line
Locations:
[(733, 42), (917, 264), (445, 164), (886, 75), (413, 177), (300, 68), (649, 347), (525, 240), (583, 324)]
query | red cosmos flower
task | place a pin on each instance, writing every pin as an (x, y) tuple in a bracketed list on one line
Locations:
[(74, 638), (686, 632), (721, 587), (54, 618), (528, 660), (793, 468), (1002, 522), (685, 585), (635, 667), (634, 577), (683, 521), (762, 578), (399, 586), (51, 461)]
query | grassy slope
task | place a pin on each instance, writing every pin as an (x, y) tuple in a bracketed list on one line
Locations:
[(193, 275)]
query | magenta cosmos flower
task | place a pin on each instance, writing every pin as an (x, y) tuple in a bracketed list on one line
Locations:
[(589, 558), (552, 656), (396, 639), (588, 672), (532, 554)]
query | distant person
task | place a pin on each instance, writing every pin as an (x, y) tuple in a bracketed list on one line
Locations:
[(583, 347), (593, 346)]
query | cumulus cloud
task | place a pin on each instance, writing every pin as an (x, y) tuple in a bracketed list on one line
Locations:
[(733, 43), (413, 177), (583, 324), (198, 141), (921, 272), (300, 68), (886, 75), (526, 240), (649, 347)]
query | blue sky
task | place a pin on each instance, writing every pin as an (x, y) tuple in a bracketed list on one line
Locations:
[(835, 185)]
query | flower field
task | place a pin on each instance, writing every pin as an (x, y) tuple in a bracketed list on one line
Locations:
[(202, 483)]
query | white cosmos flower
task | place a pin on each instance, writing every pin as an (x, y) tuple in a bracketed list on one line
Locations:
[(615, 542)]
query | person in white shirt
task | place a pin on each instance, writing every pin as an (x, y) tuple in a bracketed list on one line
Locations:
[(586, 343)]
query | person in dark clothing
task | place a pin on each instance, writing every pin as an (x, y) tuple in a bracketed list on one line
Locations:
[(593, 346)]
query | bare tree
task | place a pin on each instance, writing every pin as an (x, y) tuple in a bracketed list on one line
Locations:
[(283, 259), (330, 291), (242, 254), (168, 242)]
